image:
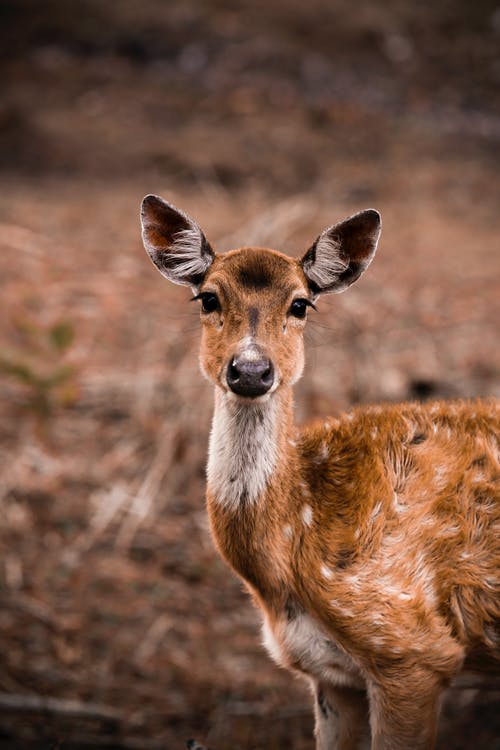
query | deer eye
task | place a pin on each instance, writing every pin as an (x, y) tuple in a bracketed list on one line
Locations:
[(298, 308), (209, 302)]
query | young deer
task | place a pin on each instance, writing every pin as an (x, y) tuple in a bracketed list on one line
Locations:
[(370, 542)]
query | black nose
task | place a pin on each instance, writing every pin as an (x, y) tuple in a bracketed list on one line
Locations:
[(250, 377)]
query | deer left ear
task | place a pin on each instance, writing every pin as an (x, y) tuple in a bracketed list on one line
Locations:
[(342, 252), (174, 242)]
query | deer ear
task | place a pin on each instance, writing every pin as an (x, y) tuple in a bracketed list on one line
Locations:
[(174, 242), (342, 253)]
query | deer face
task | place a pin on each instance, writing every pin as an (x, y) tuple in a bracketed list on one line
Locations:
[(254, 302), (253, 310)]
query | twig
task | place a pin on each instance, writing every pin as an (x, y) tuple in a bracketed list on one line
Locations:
[(152, 639), (109, 742), (13, 571), (72, 708), (252, 708), (277, 224), (145, 497), (109, 504), (476, 682), (33, 607)]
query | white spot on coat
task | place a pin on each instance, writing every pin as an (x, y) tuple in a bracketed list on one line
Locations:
[(322, 454), (326, 572), (307, 515), (352, 580)]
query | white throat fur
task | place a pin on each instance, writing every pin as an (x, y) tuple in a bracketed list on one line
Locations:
[(242, 452)]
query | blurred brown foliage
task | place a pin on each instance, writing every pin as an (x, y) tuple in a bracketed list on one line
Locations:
[(266, 121)]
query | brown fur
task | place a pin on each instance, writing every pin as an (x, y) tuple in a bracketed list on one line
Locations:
[(381, 528), (397, 515)]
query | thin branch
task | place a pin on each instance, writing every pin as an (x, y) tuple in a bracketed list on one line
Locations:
[(152, 639), (59, 706), (143, 501)]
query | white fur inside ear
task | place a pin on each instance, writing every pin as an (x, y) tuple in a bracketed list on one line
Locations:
[(327, 265), (187, 250)]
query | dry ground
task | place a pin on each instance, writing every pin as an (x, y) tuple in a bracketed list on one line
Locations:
[(265, 126)]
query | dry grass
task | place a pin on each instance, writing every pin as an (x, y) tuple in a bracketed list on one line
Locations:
[(110, 579), (120, 624)]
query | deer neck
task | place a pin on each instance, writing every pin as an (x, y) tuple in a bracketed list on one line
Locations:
[(249, 474), (249, 449)]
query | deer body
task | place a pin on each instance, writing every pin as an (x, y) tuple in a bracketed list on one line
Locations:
[(370, 542)]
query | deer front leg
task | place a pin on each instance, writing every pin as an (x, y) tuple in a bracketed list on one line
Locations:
[(404, 711), (341, 718)]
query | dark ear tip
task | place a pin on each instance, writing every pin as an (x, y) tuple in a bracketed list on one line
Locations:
[(372, 215), (151, 201)]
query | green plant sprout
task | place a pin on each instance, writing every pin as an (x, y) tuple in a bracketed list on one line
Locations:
[(39, 367)]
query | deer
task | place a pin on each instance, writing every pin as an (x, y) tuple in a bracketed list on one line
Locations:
[(369, 540)]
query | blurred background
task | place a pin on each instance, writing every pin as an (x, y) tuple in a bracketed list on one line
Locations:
[(266, 121)]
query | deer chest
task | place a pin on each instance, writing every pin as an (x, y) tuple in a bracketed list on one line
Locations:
[(297, 641)]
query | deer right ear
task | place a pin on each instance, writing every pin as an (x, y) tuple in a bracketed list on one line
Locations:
[(174, 242), (342, 253)]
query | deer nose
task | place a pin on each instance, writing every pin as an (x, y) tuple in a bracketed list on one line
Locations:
[(250, 377)]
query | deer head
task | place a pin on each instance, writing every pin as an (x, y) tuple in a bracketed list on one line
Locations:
[(254, 301)]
